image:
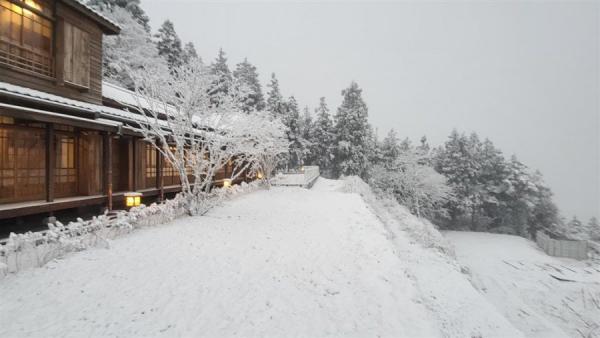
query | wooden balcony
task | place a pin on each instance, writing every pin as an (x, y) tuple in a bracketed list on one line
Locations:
[(25, 59)]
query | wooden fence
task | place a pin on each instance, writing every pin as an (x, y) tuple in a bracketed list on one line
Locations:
[(562, 248)]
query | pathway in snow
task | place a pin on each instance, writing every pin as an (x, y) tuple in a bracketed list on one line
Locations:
[(521, 281), (284, 262)]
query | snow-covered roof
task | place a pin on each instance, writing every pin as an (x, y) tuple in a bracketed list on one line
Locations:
[(43, 97), (108, 26)]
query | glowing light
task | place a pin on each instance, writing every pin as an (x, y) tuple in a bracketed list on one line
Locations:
[(133, 199), (259, 175), (226, 183)]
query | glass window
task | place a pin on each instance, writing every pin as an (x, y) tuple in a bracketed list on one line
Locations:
[(26, 36)]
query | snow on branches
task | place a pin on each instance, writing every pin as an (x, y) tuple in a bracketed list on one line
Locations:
[(199, 133)]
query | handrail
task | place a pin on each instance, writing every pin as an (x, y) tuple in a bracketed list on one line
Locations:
[(10, 58)]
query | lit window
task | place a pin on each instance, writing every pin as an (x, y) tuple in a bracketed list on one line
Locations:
[(26, 36)]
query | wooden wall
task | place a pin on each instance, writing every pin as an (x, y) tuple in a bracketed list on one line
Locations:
[(93, 94)]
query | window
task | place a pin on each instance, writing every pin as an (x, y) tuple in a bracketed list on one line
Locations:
[(65, 177), (22, 162), (150, 167), (76, 63), (26, 36)]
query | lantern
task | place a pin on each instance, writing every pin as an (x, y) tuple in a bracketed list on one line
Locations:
[(259, 175), (226, 183), (133, 199), (302, 168)]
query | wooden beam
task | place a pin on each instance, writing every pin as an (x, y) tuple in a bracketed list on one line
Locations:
[(130, 164), (107, 163), (50, 162), (159, 175)]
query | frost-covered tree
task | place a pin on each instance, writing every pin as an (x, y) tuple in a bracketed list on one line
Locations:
[(322, 139), (189, 53), (197, 137), (593, 229), (246, 75), (354, 140), (413, 183), (132, 49), (390, 148), (169, 44), (223, 77), (131, 6), (306, 124), (291, 120), (275, 102)]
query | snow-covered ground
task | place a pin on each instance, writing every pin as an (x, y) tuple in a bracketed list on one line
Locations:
[(541, 295), (330, 261)]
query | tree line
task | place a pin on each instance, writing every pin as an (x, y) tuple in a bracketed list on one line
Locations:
[(466, 183)]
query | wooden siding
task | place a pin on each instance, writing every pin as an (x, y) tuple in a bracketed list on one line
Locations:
[(57, 85)]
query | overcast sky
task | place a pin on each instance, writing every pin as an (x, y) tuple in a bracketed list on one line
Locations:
[(524, 74)]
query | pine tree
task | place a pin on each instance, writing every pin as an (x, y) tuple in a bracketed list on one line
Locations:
[(291, 120), (354, 139), (169, 45), (390, 148), (593, 229), (246, 75), (132, 6), (189, 53), (275, 103), (322, 139), (223, 77)]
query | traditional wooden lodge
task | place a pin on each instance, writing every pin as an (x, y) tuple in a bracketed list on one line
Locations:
[(65, 138)]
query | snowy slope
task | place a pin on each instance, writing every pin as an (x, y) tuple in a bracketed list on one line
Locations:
[(277, 263), (522, 282)]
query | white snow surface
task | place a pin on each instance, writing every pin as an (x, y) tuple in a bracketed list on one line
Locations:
[(274, 263), (521, 281)]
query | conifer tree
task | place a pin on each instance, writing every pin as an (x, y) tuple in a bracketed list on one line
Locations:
[(322, 139), (169, 45), (223, 77), (291, 120), (390, 148), (354, 139), (246, 75), (275, 103), (189, 53)]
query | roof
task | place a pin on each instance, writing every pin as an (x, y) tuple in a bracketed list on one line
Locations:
[(51, 99), (108, 26)]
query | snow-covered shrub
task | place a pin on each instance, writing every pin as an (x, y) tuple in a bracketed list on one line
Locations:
[(392, 214)]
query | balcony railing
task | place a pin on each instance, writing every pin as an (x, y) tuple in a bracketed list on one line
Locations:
[(25, 59)]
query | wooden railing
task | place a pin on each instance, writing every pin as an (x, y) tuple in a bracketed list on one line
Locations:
[(26, 59)]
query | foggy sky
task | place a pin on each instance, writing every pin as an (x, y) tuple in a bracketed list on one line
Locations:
[(524, 74)]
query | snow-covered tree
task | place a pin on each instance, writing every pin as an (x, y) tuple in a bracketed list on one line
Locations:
[(131, 6), (413, 183), (275, 102), (390, 148), (593, 229), (223, 77), (189, 53), (322, 139), (169, 44), (130, 50), (197, 137), (354, 140), (246, 75), (291, 120)]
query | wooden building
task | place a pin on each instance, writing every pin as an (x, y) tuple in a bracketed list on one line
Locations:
[(65, 138)]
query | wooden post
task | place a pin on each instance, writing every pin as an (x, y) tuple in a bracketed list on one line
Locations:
[(108, 189), (137, 164), (159, 176), (130, 165), (50, 162)]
